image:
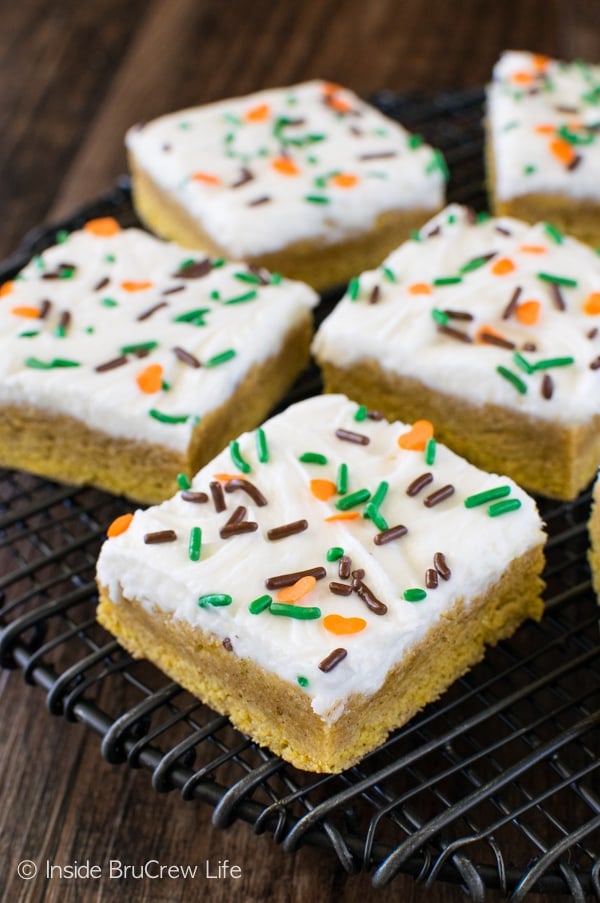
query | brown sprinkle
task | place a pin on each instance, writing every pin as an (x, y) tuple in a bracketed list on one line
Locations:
[(216, 490), (344, 567), (368, 597), (438, 496), (574, 162), (237, 517), (249, 488), (112, 364), (385, 536), (297, 526), (455, 333), (340, 589), (459, 314), (358, 574), (246, 526), (431, 578), (282, 580), (45, 307), (160, 536), (491, 339), (174, 290), (375, 415), (441, 566), (375, 295), (424, 480), (503, 231), (547, 387), (245, 176), (349, 436), (186, 357), (595, 365), (512, 304), (151, 310), (433, 232), (194, 270), (189, 496), (101, 284), (529, 346), (227, 644), (378, 155), (333, 659), (64, 320), (263, 199), (557, 296), (590, 335)]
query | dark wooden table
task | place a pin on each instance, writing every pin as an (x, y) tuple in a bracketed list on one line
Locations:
[(73, 76)]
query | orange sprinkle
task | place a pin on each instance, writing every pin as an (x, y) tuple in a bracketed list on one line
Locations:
[(226, 477), (490, 331), (338, 104), (419, 288), (31, 312), (562, 150), (258, 113), (132, 286), (345, 180), (417, 437), (150, 379), (6, 289), (339, 625), (206, 177), (343, 515), (540, 61), (330, 88), (591, 305), (522, 78), (119, 525), (503, 266), (528, 313), (544, 129), (284, 166), (323, 489), (102, 227), (532, 249), (297, 590)]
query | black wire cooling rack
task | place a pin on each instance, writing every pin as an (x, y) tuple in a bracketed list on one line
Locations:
[(494, 786)]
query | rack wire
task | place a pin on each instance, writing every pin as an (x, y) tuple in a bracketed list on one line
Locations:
[(493, 786)]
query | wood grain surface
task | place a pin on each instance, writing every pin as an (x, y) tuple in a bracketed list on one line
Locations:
[(73, 76)]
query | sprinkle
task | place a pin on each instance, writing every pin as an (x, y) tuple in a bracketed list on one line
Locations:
[(373, 513), (220, 358), (563, 151), (438, 496), (149, 379), (511, 377), (343, 515), (241, 299), (260, 604), (186, 357), (159, 536), (206, 178), (342, 479), (374, 295), (366, 595), (245, 176), (139, 347), (344, 567), (504, 507), (111, 365), (390, 534), (554, 362), (316, 199), (299, 612), (236, 457), (183, 481), (285, 530), (389, 274), (119, 525), (355, 498), (431, 578), (299, 589), (417, 437), (414, 595), (595, 365), (334, 553), (441, 566), (361, 413), (488, 495), (528, 312), (285, 166), (31, 313), (553, 233), (256, 202), (312, 458), (354, 288), (29, 334), (547, 387), (282, 580), (458, 315), (195, 317), (227, 644), (477, 262), (323, 489), (258, 113), (218, 496), (45, 308), (430, 451), (502, 267), (196, 497), (349, 436), (216, 599), (380, 494), (419, 483), (262, 449), (491, 337), (512, 304), (557, 280), (419, 288), (102, 227), (56, 362), (248, 487), (133, 286), (455, 333), (340, 589), (244, 526), (168, 418), (439, 316), (447, 280), (523, 363), (252, 277), (333, 659), (378, 155), (340, 625), (194, 269), (302, 681)]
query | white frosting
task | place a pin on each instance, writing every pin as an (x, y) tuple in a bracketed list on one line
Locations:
[(112, 401), (401, 334), (532, 102), (478, 549), (344, 135)]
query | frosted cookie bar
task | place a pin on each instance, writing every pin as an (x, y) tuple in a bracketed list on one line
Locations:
[(490, 329), (324, 578), (307, 180), (126, 360), (543, 148)]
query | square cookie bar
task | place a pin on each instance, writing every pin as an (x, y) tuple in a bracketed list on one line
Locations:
[(126, 360), (543, 148), (324, 578), (489, 328), (307, 180)]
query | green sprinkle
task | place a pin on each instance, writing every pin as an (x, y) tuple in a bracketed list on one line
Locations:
[(439, 316), (215, 294), (276, 278), (61, 236), (430, 450), (554, 362), (240, 299), (558, 280), (447, 280), (67, 272), (474, 264), (523, 363), (414, 141), (450, 219), (414, 595), (553, 233), (39, 262), (110, 258), (109, 302), (512, 378), (236, 457), (260, 604), (373, 513), (480, 498), (90, 330), (353, 288), (183, 481), (168, 418), (247, 277), (499, 508), (313, 458), (56, 362), (218, 262), (302, 681), (316, 199), (334, 553), (196, 317), (28, 335), (355, 498), (510, 125), (184, 126), (389, 274), (295, 611), (380, 493), (141, 346), (262, 449), (220, 358), (415, 235), (438, 163), (312, 159), (165, 386), (342, 479), (195, 544), (529, 169), (483, 216), (575, 137), (361, 413), (216, 599)]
